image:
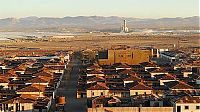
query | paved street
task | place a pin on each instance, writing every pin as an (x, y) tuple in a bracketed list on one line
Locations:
[(68, 89)]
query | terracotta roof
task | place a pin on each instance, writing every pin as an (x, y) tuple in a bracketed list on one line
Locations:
[(123, 66), (10, 73), (95, 72), (29, 96), (148, 64), (158, 70), (132, 78), (188, 99), (114, 100), (59, 67), (18, 99), (140, 86), (43, 73), (186, 70), (21, 67), (168, 77), (95, 66), (96, 79), (127, 71), (33, 88), (4, 79), (42, 102), (54, 64), (177, 85), (182, 85), (98, 86), (40, 79)]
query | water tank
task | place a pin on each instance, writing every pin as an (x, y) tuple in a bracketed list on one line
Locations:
[(61, 100)]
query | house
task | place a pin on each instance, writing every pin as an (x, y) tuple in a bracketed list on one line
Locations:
[(169, 55), (34, 89), (16, 84), (118, 91), (95, 79), (11, 74), (186, 72), (43, 73), (21, 68), (187, 104), (95, 73), (178, 86), (139, 88), (43, 80), (94, 67), (4, 81), (149, 65), (130, 79), (126, 72), (98, 89), (122, 66), (17, 104), (156, 71), (167, 78)]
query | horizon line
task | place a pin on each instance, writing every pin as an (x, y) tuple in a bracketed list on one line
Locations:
[(99, 16)]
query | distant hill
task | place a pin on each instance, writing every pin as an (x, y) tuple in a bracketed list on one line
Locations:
[(98, 23)]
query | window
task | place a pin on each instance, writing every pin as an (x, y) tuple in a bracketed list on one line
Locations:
[(6, 106), (22, 108), (156, 104), (186, 107), (1, 107), (92, 93), (10, 108), (178, 109), (198, 107)]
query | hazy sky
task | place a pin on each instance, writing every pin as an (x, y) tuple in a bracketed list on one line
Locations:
[(126, 8)]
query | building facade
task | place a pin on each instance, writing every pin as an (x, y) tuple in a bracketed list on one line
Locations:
[(128, 56)]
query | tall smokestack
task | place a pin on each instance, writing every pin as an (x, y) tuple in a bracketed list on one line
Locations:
[(124, 23), (124, 28)]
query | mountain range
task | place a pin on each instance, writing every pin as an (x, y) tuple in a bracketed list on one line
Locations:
[(97, 23)]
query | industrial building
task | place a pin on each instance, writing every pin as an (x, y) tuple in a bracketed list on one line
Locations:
[(129, 56), (124, 28)]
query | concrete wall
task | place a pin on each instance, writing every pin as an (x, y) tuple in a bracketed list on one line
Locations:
[(153, 74), (32, 93), (133, 92), (28, 107), (97, 93), (97, 75), (131, 109), (162, 81), (5, 85)]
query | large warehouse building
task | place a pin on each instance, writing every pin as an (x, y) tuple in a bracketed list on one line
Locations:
[(128, 56)]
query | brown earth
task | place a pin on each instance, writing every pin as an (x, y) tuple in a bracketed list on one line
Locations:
[(99, 42)]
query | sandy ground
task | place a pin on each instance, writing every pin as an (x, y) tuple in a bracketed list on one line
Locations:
[(100, 42)]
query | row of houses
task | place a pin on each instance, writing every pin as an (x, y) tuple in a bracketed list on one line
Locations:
[(147, 86), (30, 84)]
